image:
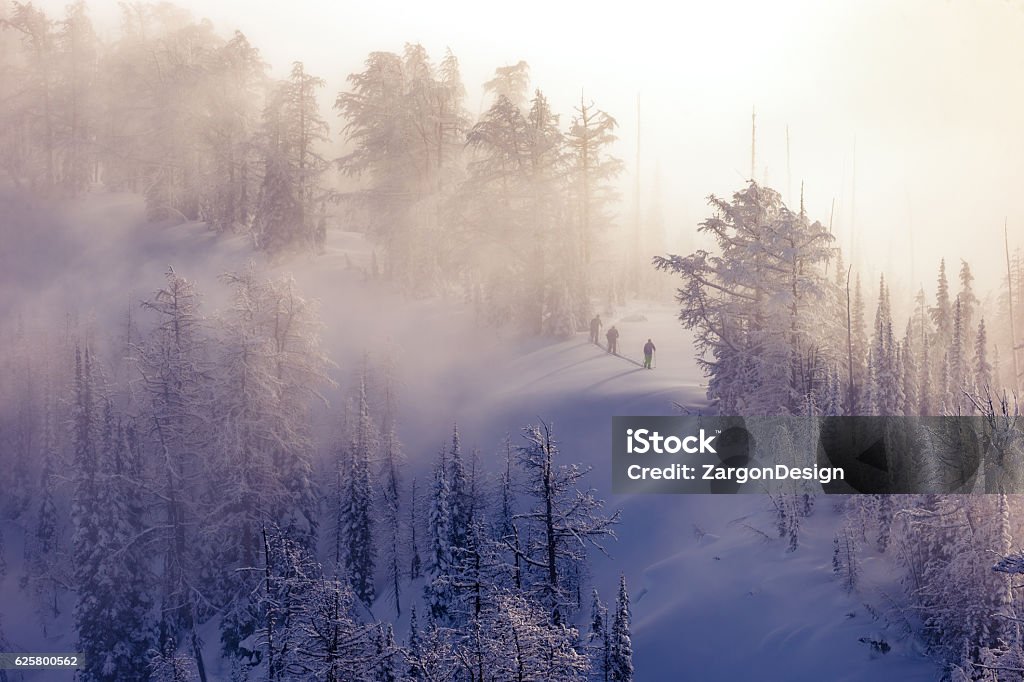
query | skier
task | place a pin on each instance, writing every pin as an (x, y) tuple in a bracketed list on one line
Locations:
[(595, 327), (648, 353), (613, 338)]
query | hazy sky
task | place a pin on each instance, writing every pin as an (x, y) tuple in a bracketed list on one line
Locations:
[(928, 91)]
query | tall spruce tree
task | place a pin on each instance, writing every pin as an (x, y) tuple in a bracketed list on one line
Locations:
[(358, 512), (621, 641)]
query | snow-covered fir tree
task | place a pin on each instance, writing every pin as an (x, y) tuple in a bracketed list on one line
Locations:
[(983, 371), (436, 569), (357, 514), (173, 363), (753, 302), (599, 639), (621, 638), (292, 196)]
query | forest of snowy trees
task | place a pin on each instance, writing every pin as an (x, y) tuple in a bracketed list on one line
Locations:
[(169, 476), (513, 210), (783, 328), (175, 480)]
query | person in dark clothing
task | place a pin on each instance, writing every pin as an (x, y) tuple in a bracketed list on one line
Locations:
[(648, 353), (595, 327), (613, 339)]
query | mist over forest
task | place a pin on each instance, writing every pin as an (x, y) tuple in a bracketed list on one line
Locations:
[(307, 370)]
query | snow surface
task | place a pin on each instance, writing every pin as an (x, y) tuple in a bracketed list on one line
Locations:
[(728, 605)]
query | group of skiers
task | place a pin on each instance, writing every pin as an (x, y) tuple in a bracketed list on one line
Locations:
[(612, 335)]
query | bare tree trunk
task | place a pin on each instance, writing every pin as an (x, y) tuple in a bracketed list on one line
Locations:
[(849, 346), (1009, 291)]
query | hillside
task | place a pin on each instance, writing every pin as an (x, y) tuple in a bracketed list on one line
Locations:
[(713, 598)]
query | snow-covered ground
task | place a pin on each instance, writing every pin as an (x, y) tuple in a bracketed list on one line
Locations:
[(718, 603)]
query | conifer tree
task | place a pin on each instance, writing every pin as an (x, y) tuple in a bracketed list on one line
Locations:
[(751, 302), (860, 350), (926, 404), (958, 375), (391, 493), (968, 301), (942, 312), (113, 614), (460, 503), (599, 639), (982, 369), (437, 587), (844, 557), (173, 364), (357, 515), (911, 375), (292, 194), (415, 562), (621, 644)]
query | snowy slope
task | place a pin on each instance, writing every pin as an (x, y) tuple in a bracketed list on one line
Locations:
[(729, 606)]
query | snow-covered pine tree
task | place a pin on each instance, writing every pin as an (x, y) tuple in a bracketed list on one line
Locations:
[(275, 222), (925, 398), (406, 123), (884, 509), (270, 369), (511, 82), (231, 135), (883, 356), (621, 640), (86, 511), (942, 312), (413, 651), (997, 370), (515, 640), (968, 301), (599, 639), (561, 522), (43, 549), (437, 587), (550, 251), (944, 399), (513, 203), (385, 652), (910, 387), (958, 368), (504, 524), (460, 502), (308, 625), (870, 398), (167, 665), (754, 303), (113, 615), (293, 191), (176, 397), (415, 561), (844, 557), (358, 511), (982, 369), (859, 340), (391, 494), (833, 406)]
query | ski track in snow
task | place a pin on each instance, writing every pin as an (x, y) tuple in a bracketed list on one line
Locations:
[(727, 606)]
